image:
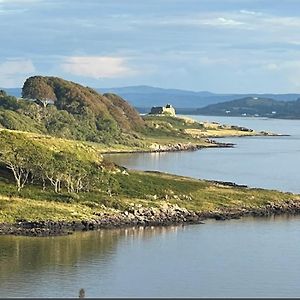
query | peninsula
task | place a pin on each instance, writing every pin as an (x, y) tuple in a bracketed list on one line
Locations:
[(54, 179)]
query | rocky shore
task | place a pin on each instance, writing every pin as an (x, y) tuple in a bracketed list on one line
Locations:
[(188, 146), (176, 147), (136, 217), (170, 215)]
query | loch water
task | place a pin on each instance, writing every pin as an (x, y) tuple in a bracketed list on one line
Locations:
[(249, 257), (271, 162)]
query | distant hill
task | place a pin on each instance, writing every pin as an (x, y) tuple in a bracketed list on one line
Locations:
[(144, 97), (254, 106), (17, 92), (62, 108)]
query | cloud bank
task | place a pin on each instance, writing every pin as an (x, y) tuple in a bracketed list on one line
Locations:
[(12, 71), (96, 67)]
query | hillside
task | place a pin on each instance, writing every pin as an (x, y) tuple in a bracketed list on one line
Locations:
[(76, 99), (65, 109), (254, 106), (49, 186)]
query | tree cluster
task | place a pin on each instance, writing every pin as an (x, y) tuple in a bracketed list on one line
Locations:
[(84, 125), (31, 163)]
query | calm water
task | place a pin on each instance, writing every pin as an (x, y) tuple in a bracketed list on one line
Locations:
[(267, 162), (238, 258)]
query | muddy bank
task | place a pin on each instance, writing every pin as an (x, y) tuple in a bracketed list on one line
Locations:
[(172, 215)]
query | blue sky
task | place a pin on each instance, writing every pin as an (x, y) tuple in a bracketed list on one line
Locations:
[(217, 45)]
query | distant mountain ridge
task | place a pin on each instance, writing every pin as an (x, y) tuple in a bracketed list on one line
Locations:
[(16, 92), (143, 97), (254, 106)]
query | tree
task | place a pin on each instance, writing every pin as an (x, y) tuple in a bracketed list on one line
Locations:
[(53, 170), (3, 93), (18, 154), (37, 88)]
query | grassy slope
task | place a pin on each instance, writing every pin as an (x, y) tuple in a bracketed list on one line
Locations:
[(147, 189), (183, 129), (162, 130), (83, 150), (144, 188)]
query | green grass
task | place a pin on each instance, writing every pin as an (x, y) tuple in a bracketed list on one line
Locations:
[(197, 195), (148, 189), (83, 150), (12, 210), (179, 129)]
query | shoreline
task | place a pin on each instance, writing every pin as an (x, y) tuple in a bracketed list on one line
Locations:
[(175, 148), (144, 217), (169, 215), (178, 147)]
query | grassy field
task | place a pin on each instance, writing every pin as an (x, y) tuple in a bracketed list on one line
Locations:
[(138, 189)]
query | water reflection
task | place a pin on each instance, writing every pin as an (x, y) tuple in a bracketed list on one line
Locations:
[(251, 257), (23, 259)]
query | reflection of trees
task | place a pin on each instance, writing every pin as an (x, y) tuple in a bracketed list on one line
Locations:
[(27, 254), (30, 254)]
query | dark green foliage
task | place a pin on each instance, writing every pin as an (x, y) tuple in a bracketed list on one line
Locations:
[(74, 98), (2, 93), (254, 106), (79, 113), (8, 102), (43, 92)]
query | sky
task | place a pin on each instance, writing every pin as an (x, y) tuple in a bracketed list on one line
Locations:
[(222, 46)]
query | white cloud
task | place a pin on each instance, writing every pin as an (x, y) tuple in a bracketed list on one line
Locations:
[(249, 12), (17, 66), (222, 22), (12, 71), (242, 19), (201, 21), (204, 60), (96, 66), (272, 67)]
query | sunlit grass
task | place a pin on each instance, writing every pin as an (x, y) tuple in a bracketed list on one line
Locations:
[(146, 189)]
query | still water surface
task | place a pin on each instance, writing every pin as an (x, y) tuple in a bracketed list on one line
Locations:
[(248, 257), (237, 258), (266, 162)]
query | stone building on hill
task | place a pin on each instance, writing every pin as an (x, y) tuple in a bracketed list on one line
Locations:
[(163, 110)]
